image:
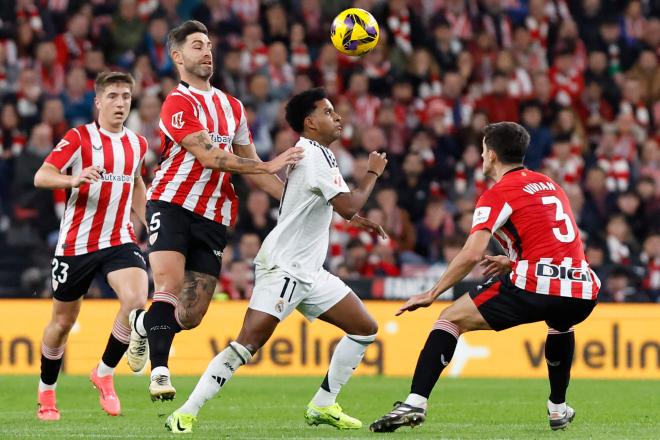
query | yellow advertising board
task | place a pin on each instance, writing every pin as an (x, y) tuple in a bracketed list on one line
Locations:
[(616, 341)]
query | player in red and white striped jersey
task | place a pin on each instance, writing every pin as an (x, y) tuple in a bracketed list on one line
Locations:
[(544, 277), (205, 138), (100, 164)]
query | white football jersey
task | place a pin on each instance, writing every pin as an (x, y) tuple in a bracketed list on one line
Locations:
[(299, 242)]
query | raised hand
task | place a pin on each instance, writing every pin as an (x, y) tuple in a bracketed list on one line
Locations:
[(377, 162)]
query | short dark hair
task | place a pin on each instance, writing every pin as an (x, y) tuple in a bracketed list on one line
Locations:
[(301, 106), (178, 35), (104, 79), (508, 139)]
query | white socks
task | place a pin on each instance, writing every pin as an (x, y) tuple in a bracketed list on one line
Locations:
[(104, 370), (44, 387), (557, 407), (160, 371), (139, 325), (219, 371), (345, 359), (416, 400)]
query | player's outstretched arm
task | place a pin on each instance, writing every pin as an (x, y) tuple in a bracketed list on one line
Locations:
[(200, 145), (350, 203), (460, 266), (266, 182), (50, 177)]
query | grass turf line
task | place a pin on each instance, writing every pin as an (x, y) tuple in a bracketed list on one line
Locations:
[(272, 408)]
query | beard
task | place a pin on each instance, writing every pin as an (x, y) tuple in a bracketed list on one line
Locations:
[(200, 71)]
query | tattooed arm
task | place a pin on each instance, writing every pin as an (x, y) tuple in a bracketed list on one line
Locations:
[(200, 145), (269, 183)]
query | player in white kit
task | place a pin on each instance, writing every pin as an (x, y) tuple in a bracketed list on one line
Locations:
[(289, 272)]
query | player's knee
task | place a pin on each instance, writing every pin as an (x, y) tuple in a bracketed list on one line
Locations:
[(368, 327), (137, 302), (167, 282), (62, 324)]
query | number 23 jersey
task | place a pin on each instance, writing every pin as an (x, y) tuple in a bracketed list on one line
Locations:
[(530, 216)]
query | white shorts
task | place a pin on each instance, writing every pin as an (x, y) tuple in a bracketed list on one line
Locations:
[(278, 293)]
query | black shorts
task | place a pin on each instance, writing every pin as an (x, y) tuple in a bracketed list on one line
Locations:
[(71, 276), (503, 305), (200, 240)]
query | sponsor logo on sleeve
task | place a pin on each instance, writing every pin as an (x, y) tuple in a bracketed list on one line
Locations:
[(481, 214), (177, 120)]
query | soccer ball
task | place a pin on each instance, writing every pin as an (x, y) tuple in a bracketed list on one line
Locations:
[(354, 32)]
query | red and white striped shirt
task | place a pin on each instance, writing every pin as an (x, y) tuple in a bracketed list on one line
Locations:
[(98, 215), (181, 179), (531, 218)]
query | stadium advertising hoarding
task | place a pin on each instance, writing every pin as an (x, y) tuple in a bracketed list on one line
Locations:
[(617, 341)]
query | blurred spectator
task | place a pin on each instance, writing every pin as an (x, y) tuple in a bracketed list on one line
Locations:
[(469, 179), (248, 247), (144, 120), (77, 99), (13, 142), (621, 246), (593, 109), (397, 222), (618, 286), (647, 72), (540, 143), (650, 258), (50, 72), (499, 105), (598, 72), (72, 44), (230, 77), (566, 165), (52, 114), (596, 202), (28, 95), (597, 256), (34, 207), (436, 224), (612, 162), (413, 187), (238, 280), (632, 102), (279, 72), (257, 217), (154, 44), (126, 33)]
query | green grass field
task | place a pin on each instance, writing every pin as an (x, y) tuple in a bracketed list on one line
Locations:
[(262, 408)]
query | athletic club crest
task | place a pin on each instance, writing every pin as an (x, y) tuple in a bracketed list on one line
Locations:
[(177, 120)]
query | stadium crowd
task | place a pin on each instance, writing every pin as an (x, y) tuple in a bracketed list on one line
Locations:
[(582, 76)]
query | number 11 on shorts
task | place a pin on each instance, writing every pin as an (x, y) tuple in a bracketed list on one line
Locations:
[(286, 285)]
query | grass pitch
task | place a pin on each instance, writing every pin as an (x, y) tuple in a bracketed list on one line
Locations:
[(272, 407)]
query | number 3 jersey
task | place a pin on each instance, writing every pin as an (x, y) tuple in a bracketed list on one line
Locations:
[(98, 215), (299, 242), (530, 216)]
